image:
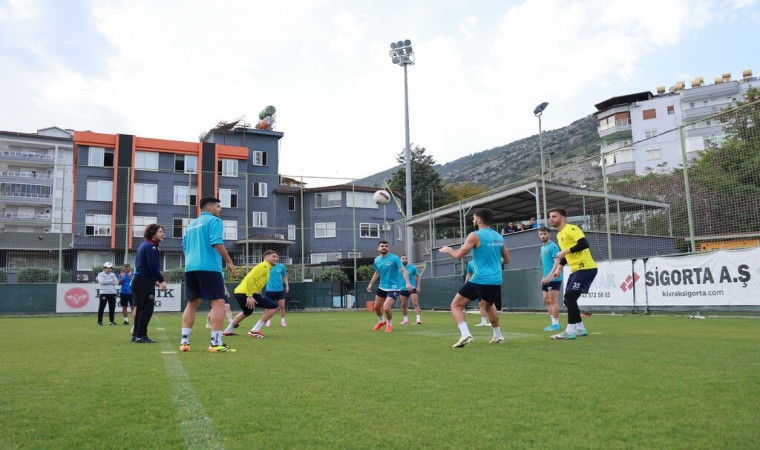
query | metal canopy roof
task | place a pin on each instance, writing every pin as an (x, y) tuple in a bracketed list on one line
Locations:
[(521, 202)]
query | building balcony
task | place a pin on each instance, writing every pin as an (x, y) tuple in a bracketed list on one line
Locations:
[(621, 129), (34, 219), (729, 89), (616, 146), (14, 198), (621, 169), (37, 178), (27, 157), (702, 112)]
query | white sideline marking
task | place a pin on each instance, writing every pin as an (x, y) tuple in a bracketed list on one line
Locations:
[(196, 425)]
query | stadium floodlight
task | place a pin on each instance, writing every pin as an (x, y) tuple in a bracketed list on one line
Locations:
[(538, 112), (402, 54)]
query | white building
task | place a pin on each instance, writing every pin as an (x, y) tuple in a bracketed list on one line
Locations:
[(640, 131)]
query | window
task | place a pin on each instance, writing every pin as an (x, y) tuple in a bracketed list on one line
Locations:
[(228, 198), (186, 163), (670, 109), (145, 193), (97, 225), (369, 230), (291, 203), (650, 114), (650, 134), (360, 200), (259, 219), (653, 154), (324, 229), (318, 258), (291, 232), (259, 189), (146, 160), (101, 191), (100, 157), (259, 158), (185, 195), (230, 230), (139, 223), (399, 233), (327, 200), (227, 167), (87, 260), (180, 226), (354, 255)]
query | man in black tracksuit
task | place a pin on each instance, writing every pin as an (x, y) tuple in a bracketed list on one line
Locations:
[(147, 278)]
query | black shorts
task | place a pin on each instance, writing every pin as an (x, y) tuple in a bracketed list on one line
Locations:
[(580, 281), (126, 300), (552, 286), (261, 301), (405, 293), (276, 295), (388, 294), (490, 293), (204, 284)]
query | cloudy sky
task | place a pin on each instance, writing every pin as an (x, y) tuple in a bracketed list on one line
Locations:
[(172, 69)]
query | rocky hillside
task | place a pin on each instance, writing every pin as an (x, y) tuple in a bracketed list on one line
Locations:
[(563, 148)]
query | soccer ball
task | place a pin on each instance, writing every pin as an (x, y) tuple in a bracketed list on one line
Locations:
[(381, 197)]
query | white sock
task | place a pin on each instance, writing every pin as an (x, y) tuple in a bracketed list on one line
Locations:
[(463, 329), (406, 318), (282, 320), (579, 326), (229, 328), (186, 335), (484, 320), (496, 331), (570, 328), (216, 338), (555, 320), (259, 325), (379, 319), (390, 323), (418, 318)]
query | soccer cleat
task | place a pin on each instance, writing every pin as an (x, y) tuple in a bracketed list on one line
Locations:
[(483, 324), (144, 340), (100, 324), (553, 328), (388, 328), (220, 349), (126, 322), (184, 347), (464, 340), (283, 323), (582, 332), (111, 323), (228, 333), (379, 325), (269, 323), (563, 336), (256, 334), (419, 322), (134, 338), (404, 322), (497, 340)]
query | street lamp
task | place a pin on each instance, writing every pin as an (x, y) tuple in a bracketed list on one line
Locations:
[(538, 112), (402, 54)]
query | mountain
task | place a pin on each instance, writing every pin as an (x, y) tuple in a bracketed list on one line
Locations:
[(521, 159)]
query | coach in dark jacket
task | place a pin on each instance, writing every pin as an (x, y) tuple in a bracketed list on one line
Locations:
[(147, 278)]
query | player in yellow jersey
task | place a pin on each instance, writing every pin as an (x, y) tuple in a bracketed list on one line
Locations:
[(248, 296), (574, 251)]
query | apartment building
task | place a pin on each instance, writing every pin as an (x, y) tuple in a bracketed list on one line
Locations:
[(640, 132)]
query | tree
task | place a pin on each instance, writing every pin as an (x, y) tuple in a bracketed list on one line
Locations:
[(425, 179), (459, 191)]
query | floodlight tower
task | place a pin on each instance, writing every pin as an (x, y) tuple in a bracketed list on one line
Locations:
[(402, 54), (538, 112)]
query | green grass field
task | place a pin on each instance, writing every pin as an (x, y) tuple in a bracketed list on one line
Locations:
[(328, 381)]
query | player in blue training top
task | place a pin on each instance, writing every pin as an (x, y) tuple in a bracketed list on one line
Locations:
[(489, 253), (277, 288), (393, 278), (550, 286), (416, 280)]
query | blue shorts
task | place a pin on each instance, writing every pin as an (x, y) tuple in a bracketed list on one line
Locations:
[(204, 285), (405, 293), (261, 301), (126, 300), (580, 281), (388, 294), (490, 293), (552, 286), (276, 295)]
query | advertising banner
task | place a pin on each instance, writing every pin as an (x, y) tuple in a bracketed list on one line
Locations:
[(613, 285), (83, 298)]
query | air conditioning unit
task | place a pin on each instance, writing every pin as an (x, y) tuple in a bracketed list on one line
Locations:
[(279, 236), (84, 277), (386, 226), (636, 104)]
